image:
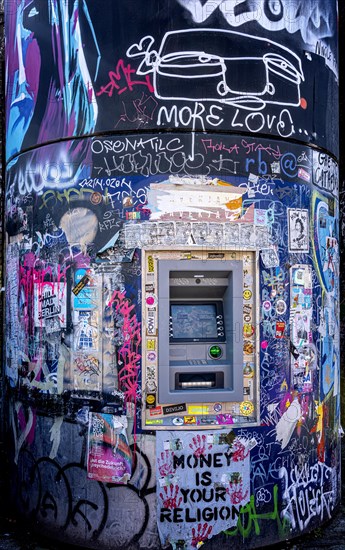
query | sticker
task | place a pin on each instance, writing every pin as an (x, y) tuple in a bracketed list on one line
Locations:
[(150, 400), (133, 215), (248, 347), (170, 409), (247, 294), (150, 264), (298, 276), (280, 329), (247, 313), (189, 419), (217, 407), (281, 307), (260, 216), (151, 356), (215, 255), (151, 300), (177, 421), (298, 223), (154, 421), (156, 411), (303, 175), (151, 345), (248, 369), (151, 325), (82, 283), (275, 167), (197, 409), (266, 306), (248, 330), (246, 391), (246, 408), (149, 288), (269, 257), (96, 198), (127, 202)]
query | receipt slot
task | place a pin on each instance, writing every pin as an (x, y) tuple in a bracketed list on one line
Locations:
[(200, 343)]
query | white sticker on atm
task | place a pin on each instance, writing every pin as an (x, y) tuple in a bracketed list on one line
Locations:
[(151, 322)]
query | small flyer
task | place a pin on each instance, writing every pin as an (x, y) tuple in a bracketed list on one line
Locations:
[(109, 457)]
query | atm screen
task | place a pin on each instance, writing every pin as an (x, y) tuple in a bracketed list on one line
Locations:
[(196, 321)]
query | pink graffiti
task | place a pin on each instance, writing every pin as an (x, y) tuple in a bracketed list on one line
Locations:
[(35, 272), (128, 354), (121, 80)]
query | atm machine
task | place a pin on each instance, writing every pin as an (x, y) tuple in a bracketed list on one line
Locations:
[(200, 344)]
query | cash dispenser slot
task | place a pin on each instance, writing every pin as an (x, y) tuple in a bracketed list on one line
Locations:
[(200, 342)]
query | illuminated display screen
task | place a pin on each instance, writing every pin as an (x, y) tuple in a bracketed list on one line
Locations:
[(194, 321)]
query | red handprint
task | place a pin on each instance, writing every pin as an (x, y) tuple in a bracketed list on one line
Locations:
[(199, 445), (235, 492), (238, 451), (202, 533), (169, 497), (166, 464)]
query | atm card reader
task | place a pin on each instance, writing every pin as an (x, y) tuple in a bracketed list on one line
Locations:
[(200, 343)]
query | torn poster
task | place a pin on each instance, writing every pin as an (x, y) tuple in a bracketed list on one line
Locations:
[(109, 458)]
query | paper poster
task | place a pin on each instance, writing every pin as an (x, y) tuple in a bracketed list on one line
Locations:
[(109, 457), (202, 482), (298, 230), (86, 372), (86, 296), (50, 304), (86, 331)]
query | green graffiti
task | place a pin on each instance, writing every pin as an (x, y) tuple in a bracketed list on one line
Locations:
[(249, 518), (69, 195)]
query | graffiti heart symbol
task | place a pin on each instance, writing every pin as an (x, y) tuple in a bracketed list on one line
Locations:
[(138, 49)]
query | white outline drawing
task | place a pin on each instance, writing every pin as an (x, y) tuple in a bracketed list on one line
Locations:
[(211, 64)]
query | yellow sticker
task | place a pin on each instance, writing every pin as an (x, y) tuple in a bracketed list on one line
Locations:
[(150, 264), (247, 294), (150, 398), (151, 345), (195, 409), (246, 408), (154, 421), (189, 419)]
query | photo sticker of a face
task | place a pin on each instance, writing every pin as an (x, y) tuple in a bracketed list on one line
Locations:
[(298, 230)]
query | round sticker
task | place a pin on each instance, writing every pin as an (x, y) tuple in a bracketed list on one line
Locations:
[(246, 408), (151, 356), (150, 399), (264, 345), (247, 294), (178, 421), (217, 407), (151, 300), (281, 307), (96, 198), (248, 330), (266, 306)]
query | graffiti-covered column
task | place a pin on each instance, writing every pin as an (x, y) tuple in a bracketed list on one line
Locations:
[(172, 290)]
